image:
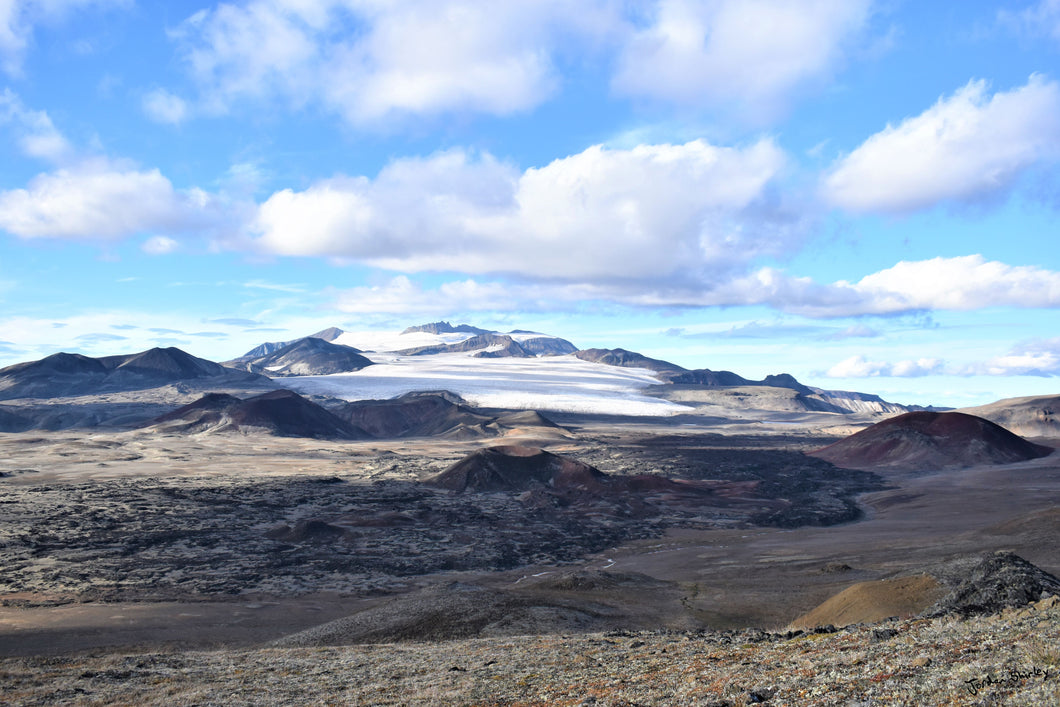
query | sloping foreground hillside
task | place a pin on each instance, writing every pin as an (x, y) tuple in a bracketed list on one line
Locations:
[(1008, 658)]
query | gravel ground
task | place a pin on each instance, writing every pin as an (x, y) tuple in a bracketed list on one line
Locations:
[(1011, 658)]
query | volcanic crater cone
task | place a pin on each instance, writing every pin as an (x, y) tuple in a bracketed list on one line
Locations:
[(518, 468), (280, 412), (930, 441)]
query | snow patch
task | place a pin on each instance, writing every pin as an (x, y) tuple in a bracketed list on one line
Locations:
[(557, 383)]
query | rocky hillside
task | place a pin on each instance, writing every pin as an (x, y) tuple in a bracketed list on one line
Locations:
[(310, 356), (64, 374), (1032, 416), (1008, 658)]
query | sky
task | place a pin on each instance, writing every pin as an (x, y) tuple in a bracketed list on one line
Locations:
[(862, 193)]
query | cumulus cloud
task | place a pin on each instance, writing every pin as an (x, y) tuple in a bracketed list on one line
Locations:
[(966, 147), (963, 283), (162, 106), (860, 367), (100, 200), (754, 53), (36, 134), (372, 61), (1038, 357), (18, 18), (655, 211)]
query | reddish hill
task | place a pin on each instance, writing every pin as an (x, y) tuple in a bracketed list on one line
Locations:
[(929, 441), (516, 468), (546, 480)]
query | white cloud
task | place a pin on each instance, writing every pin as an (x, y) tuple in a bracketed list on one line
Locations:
[(37, 135), (99, 200), (962, 283), (1039, 357), (754, 53), (18, 18), (1040, 18), (855, 331), (162, 106), (860, 367), (159, 245), (650, 213), (966, 147), (402, 296), (371, 61)]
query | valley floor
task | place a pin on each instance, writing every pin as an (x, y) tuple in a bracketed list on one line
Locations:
[(632, 611)]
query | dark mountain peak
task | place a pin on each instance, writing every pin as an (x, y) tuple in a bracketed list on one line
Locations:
[(62, 362), (445, 328), (171, 361), (309, 356), (627, 359), (63, 375), (312, 344), (931, 440), (329, 334), (271, 347), (786, 380)]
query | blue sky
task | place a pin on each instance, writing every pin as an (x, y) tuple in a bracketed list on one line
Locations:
[(861, 193)]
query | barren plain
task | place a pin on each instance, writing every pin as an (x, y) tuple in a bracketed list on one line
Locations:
[(134, 542)]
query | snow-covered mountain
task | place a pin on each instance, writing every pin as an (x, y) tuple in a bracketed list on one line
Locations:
[(529, 370)]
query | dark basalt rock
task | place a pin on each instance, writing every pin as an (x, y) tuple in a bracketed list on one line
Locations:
[(989, 584), (281, 412)]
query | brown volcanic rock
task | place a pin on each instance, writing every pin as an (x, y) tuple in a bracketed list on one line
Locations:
[(416, 415), (518, 468), (930, 441), (544, 480)]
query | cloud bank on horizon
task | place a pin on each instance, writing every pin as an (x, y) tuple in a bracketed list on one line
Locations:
[(810, 167)]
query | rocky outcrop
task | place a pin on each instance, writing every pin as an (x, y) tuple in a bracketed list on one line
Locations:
[(986, 585), (860, 402), (628, 359), (496, 345), (445, 328)]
